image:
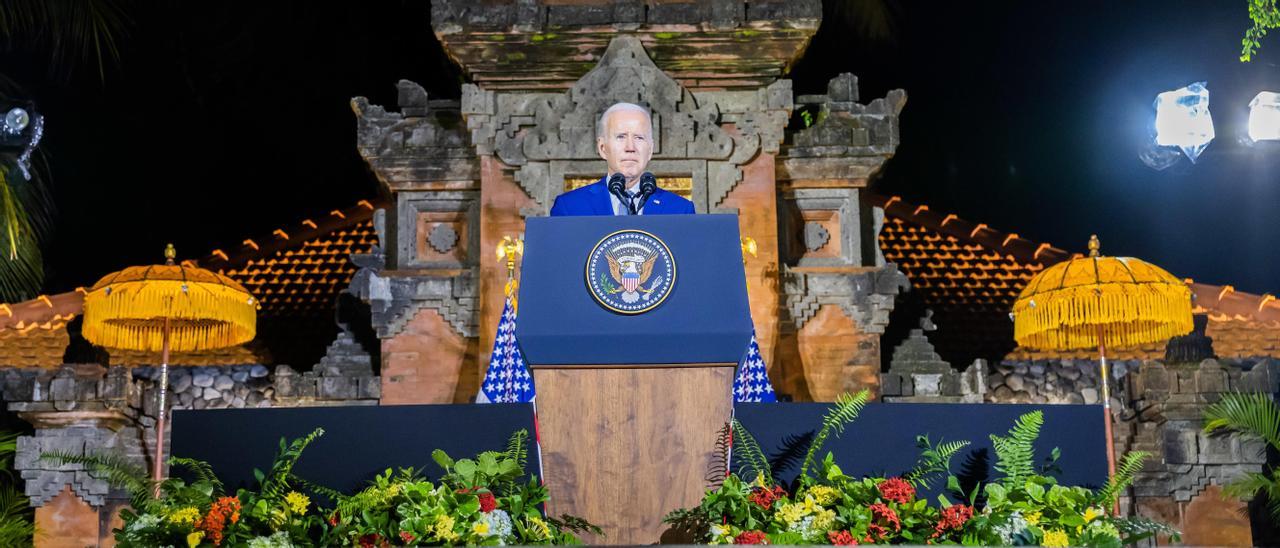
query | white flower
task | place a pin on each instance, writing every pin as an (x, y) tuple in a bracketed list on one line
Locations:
[(278, 540), (499, 524)]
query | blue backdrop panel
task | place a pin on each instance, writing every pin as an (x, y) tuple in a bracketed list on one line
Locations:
[(706, 318), (358, 443), (882, 440)]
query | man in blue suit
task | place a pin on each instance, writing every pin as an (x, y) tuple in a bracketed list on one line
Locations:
[(624, 138)]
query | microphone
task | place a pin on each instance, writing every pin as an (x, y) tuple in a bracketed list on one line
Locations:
[(617, 187), (648, 185)]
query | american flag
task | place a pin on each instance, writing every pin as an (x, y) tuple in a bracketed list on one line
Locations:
[(508, 379), (752, 383)]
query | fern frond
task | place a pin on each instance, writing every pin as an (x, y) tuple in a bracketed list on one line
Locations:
[(934, 461), (277, 480), (518, 448), (1015, 453), (750, 450), (1130, 465), (1254, 414), (841, 414), (333, 495), (202, 471), (1134, 529), (116, 469)]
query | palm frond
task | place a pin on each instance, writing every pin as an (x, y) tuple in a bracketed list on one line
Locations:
[(1130, 465), (1254, 414), (72, 32), (935, 460), (750, 450), (202, 471), (25, 216), (844, 411), (1015, 453)]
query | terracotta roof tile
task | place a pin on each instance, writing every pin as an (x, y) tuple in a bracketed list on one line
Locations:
[(296, 273), (969, 275)]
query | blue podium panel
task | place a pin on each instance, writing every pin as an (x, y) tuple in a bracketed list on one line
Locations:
[(704, 319)]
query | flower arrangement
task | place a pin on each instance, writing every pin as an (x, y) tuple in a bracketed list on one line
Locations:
[(202, 513), (826, 506), (481, 501)]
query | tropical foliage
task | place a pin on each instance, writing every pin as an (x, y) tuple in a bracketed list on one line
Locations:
[(16, 526), (488, 500), (1264, 16), (1255, 415), (1022, 506)]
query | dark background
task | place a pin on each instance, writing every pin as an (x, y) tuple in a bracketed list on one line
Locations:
[(224, 120)]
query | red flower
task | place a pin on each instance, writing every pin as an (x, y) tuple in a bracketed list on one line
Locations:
[(882, 516), (333, 519), (751, 537), (765, 498), (406, 537), (372, 540), (841, 538), (953, 518), (487, 502), (896, 490)]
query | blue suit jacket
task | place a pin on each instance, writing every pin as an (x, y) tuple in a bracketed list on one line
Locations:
[(593, 199)]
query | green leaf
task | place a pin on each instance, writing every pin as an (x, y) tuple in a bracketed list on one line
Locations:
[(442, 459), (1035, 491)]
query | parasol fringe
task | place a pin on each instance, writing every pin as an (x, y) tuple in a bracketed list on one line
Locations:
[(204, 316), (1130, 315)]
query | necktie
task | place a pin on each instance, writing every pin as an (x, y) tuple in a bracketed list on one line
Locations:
[(631, 203)]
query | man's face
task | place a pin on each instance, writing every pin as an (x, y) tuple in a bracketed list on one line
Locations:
[(626, 144)]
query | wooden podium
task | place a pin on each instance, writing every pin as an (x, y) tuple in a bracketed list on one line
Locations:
[(630, 406), (623, 446)]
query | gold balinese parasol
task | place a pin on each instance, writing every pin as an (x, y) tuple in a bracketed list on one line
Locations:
[(167, 308), (1097, 301)]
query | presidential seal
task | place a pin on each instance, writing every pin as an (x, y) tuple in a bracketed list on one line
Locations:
[(630, 271)]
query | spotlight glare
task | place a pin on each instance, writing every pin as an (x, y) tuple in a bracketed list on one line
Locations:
[(1183, 120)]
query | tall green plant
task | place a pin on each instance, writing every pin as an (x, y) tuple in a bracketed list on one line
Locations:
[(16, 517), (844, 412), (1255, 415)]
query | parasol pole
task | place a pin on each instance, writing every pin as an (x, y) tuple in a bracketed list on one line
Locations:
[(1106, 412), (157, 470)]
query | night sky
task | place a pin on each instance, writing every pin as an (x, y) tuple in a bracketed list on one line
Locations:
[(225, 120)]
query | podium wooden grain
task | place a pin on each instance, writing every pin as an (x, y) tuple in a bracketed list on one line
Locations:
[(624, 445)]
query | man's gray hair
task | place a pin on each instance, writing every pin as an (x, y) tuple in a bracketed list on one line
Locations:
[(620, 107)]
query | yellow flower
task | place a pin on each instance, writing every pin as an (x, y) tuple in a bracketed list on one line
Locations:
[(194, 539), (540, 528), (444, 528), (824, 520), (759, 482), (824, 494), (480, 528), (810, 505), (297, 502), (1055, 539), (1091, 514), (721, 534), (791, 513), (185, 516), (1033, 518)]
